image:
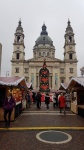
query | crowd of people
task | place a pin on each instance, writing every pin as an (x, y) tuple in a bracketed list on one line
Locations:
[(58, 100), (35, 98)]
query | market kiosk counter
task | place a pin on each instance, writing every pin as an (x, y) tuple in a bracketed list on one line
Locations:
[(17, 110), (81, 110), (74, 107)]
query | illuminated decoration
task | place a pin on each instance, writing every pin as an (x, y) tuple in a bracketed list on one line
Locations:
[(17, 94), (44, 78)]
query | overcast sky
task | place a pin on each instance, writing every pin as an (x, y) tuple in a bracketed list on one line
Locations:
[(33, 14)]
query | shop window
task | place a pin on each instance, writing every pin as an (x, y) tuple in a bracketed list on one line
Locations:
[(17, 56), (17, 70)]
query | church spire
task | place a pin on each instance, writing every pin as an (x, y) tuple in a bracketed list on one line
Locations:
[(44, 32)]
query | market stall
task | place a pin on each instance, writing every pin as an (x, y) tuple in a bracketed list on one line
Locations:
[(76, 86), (17, 86)]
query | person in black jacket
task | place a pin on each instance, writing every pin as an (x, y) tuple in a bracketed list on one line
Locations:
[(38, 99), (47, 100)]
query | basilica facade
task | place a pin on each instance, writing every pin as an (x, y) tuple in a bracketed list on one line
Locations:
[(59, 71)]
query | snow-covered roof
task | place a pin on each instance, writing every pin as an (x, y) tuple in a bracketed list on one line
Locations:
[(12, 81), (63, 85), (29, 85), (79, 80)]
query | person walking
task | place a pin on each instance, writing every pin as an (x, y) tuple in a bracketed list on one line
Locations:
[(33, 96), (9, 104), (62, 103), (55, 100), (28, 100), (38, 100), (47, 100)]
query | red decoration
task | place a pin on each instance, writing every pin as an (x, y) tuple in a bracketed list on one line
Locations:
[(44, 79)]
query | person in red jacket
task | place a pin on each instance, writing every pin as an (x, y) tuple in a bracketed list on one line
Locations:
[(62, 103)]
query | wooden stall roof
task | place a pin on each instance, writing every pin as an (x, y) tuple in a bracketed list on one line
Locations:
[(74, 81), (13, 81), (29, 85)]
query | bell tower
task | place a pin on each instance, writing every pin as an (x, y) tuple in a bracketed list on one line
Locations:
[(18, 55), (69, 45), (70, 58)]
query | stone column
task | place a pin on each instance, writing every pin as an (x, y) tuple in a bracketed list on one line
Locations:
[(38, 82), (29, 74), (34, 78), (53, 78)]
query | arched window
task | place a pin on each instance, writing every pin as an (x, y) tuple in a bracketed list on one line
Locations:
[(44, 54), (62, 80), (39, 53), (70, 39), (34, 54), (48, 54), (70, 56), (16, 70), (17, 56), (18, 38)]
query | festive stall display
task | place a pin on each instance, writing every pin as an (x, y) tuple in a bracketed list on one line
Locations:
[(17, 87), (17, 94)]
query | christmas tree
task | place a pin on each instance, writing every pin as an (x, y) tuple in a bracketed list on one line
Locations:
[(44, 78)]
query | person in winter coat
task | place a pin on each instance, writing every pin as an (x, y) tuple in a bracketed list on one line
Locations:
[(28, 100), (47, 100), (62, 103), (9, 104), (38, 99), (54, 100)]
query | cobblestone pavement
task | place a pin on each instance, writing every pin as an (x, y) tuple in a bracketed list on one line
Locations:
[(22, 133)]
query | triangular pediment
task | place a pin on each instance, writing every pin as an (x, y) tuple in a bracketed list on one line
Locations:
[(42, 59)]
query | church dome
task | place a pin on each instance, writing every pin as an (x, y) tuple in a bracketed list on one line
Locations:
[(44, 38)]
